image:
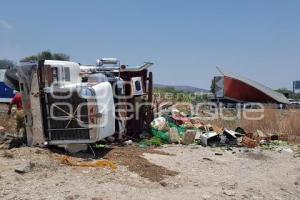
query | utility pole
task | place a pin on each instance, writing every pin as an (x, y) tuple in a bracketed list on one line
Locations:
[(294, 85)]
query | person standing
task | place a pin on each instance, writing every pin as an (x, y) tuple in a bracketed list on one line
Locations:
[(17, 100)]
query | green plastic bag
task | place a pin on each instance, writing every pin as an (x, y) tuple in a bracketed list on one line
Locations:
[(164, 136), (181, 130)]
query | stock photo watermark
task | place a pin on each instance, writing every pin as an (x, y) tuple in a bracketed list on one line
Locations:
[(93, 112)]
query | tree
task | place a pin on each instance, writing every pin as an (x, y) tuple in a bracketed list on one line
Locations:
[(290, 94), (213, 86), (46, 55), (60, 56), (4, 64)]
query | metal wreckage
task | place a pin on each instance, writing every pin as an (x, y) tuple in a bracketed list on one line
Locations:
[(69, 103)]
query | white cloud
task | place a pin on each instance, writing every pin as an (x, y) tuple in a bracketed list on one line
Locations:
[(5, 24)]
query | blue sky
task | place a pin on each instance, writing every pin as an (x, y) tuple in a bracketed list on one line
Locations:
[(259, 39)]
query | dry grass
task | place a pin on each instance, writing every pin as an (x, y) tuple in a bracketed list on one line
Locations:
[(274, 121), (283, 122), (277, 121), (8, 122)]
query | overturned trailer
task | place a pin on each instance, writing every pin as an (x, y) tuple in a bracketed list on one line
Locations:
[(68, 103), (234, 88)]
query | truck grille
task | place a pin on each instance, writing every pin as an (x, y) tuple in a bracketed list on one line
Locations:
[(60, 126)]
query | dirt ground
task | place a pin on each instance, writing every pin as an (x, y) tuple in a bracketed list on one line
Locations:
[(170, 172)]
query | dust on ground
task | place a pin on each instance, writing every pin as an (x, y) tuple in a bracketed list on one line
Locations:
[(192, 172)]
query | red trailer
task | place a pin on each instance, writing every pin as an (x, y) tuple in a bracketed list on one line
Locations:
[(236, 88)]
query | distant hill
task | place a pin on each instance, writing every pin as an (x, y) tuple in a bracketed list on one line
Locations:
[(182, 88)]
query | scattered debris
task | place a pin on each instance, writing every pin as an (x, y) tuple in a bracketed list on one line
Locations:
[(163, 183), (188, 125), (208, 127), (174, 135), (163, 135), (128, 142), (189, 137), (2, 129), (232, 136), (7, 154), (8, 141), (160, 124), (111, 139), (198, 136), (24, 168), (240, 130), (154, 141), (278, 145), (208, 139), (217, 129), (97, 163), (229, 193), (248, 142), (144, 135), (180, 119), (75, 148), (207, 159), (259, 135), (177, 127), (196, 121)]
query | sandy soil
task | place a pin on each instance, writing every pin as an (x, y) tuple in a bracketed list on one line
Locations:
[(192, 172)]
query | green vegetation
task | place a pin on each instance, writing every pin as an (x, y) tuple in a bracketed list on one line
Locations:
[(154, 141), (6, 63), (213, 86), (46, 55), (171, 94), (289, 93), (273, 145)]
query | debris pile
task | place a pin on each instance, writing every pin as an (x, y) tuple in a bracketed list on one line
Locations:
[(179, 128), (8, 141)]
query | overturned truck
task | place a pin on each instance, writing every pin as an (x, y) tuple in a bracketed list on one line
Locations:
[(68, 103)]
